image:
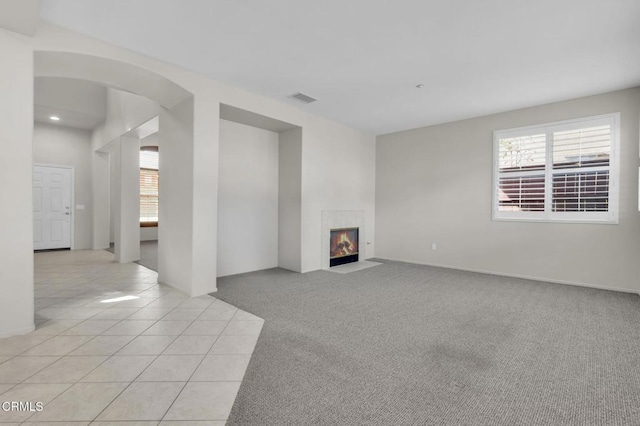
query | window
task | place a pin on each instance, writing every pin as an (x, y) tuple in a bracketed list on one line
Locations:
[(149, 186), (563, 171)]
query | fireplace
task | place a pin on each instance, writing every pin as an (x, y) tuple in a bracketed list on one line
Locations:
[(343, 246)]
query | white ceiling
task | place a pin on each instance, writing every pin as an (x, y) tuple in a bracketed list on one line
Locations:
[(78, 103), (23, 16), (362, 58), (145, 130)]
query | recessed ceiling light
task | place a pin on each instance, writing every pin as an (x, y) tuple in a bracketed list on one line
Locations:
[(54, 118), (419, 86)]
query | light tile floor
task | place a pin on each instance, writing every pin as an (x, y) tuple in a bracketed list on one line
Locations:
[(113, 345)]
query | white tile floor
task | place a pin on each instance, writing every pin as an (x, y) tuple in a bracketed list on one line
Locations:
[(112, 345)]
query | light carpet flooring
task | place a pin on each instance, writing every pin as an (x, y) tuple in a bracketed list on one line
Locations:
[(401, 344), (112, 345)]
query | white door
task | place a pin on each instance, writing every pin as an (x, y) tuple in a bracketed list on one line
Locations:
[(51, 207)]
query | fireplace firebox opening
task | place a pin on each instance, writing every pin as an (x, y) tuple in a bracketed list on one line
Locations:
[(343, 247)]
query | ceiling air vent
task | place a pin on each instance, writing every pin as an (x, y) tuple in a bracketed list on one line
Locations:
[(303, 98)]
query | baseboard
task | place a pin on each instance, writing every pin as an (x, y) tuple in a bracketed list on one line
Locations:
[(524, 277), (174, 286), (18, 331)]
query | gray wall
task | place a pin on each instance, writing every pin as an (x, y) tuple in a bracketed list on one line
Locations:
[(65, 146), (434, 185)]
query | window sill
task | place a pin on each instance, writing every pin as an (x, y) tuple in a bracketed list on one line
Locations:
[(148, 224), (563, 221)]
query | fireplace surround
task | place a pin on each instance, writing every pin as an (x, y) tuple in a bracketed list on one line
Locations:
[(343, 220), (343, 246)]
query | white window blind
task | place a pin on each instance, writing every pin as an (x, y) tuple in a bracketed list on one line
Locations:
[(522, 168), (558, 171), (148, 187), (581, 160)]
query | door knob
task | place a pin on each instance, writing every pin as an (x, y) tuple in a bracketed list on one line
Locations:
[(67, 213)]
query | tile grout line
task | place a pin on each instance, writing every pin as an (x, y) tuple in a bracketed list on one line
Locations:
[(156, 357), (77, 381), (63, 356), (91, 293), (200, 363), (191, 375)]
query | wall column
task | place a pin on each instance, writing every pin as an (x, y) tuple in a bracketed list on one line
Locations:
[(188, 201), (16, 170), (206, 144), (175, 201), (100, 187), (290, 200), (127, 230)]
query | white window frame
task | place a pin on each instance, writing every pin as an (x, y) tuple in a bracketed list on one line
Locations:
[(609, 217)]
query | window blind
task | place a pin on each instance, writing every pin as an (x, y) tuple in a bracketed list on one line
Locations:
[(521, 181), (149, 186), (581, 160), (557, 171)]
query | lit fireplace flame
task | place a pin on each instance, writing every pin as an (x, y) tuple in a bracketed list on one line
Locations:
[(344, 242)]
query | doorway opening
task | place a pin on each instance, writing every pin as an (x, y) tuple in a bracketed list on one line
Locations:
[(141, 216)]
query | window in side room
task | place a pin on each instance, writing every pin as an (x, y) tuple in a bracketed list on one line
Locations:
[(149, 186)]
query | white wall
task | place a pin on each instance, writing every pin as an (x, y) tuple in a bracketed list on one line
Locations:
[(16, 214), (102, 231), (290, 200), (338, 173), (65, 146), (205, 134), (247, 199), (124, 111), (114, 193), (434, 185), (149, 233), (127, 223), (175, 233)]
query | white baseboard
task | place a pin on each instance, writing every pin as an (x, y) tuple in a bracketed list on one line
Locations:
[(174, 286), (18, 331), (525, 277)]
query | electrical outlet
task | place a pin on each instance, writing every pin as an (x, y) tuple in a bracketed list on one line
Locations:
[(434, 246)]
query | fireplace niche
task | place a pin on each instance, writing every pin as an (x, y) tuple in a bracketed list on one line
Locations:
[(343, 246)]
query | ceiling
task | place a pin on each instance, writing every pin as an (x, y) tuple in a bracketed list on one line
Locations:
[(362, 59), (145, 130), (77, 103), (23, 17)]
